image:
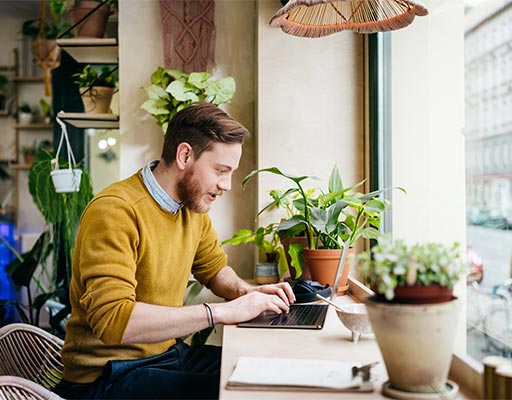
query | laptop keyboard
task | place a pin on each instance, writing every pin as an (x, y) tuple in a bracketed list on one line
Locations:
[(306, 314)]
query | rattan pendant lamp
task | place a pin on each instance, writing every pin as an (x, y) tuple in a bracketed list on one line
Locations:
[(317, 18)]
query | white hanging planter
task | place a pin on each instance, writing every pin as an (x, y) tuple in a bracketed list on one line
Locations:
[(65, 180)]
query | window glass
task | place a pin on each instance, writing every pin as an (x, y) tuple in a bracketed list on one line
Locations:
[(488, 139)]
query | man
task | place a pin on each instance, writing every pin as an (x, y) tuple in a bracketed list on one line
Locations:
[(137, 243)]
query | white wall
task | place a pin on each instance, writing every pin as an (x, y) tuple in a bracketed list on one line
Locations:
[(140, 53), (310, 104), (427, 121), (306, 116)]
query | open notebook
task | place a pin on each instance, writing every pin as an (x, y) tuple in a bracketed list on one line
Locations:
[(301, 316)]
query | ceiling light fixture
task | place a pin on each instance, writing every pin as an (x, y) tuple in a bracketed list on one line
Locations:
[(317, 18)]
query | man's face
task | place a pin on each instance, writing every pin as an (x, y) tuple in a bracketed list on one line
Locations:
[(209, 176)]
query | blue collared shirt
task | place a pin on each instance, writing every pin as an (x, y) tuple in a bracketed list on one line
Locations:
[(156, 191)]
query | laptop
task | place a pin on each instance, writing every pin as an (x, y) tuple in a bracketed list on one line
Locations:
[(300, 316)]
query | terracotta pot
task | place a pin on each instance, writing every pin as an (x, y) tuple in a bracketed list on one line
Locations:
[(422, 294), (323, 264), (97, 100), (95, 25), (416, 342), (303, 241), (29, 158)]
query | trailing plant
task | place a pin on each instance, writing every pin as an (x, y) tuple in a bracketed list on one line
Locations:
[(48, 28), (391, 264), (172, 90), (61, 212), (95, 76)]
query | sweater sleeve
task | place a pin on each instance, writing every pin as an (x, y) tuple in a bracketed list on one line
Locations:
[(210, 257), (107, 266)]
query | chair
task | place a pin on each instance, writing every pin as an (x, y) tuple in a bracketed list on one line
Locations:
[(17, 388), (31, 353)]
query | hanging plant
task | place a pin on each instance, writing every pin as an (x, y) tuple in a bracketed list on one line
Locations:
[(61, 212), (172, 90)]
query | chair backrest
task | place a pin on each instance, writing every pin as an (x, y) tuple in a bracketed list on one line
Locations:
[(31, 353), (17, 388)]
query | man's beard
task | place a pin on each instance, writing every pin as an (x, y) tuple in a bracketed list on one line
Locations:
[(190, 193)]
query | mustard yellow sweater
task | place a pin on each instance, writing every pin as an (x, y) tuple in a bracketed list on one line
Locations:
[(130, 249)]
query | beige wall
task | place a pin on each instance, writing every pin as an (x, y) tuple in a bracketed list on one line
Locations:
[(307, 113), (427, 122)]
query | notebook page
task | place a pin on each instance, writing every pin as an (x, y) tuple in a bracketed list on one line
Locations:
[(325, 374)]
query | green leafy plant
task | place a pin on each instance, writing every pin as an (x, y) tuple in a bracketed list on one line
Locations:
[(264, 238), (3, 84), (391, 264), (30, 150), (172, 90), (61, 212), (330, 218), (46, 108), (95, 76), (25, 108), (48, 28)]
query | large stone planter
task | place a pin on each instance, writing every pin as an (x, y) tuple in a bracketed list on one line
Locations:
[(416, 342)]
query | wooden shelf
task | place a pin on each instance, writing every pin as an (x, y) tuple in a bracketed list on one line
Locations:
[(28, 79), (91, 50), (4, 113), (7, 67), (90, 120), (20, 166), (34, 126)]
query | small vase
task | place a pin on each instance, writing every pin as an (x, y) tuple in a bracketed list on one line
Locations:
[(267, 272)]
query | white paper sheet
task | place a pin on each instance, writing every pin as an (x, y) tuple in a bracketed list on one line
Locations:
[(298, 373)]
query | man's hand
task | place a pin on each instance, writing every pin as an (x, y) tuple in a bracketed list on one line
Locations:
[(282, 289), (276, 298), (249, 306)]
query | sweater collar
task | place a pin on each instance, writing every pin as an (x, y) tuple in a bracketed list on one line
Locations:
[(156, 191)]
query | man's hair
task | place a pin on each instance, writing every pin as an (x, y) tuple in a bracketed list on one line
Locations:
[(200, 125)]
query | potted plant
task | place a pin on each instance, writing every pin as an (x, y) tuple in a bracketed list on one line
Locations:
[(24, 114), (44, 32), (266, 239), (328, 220), (414, 310), (29, 152), (96, 88), (172, 90), (3, 91), (46, 111), (89, 18), (61, 212)]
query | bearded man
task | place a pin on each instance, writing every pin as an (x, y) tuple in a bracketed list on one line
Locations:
[(137, 243)]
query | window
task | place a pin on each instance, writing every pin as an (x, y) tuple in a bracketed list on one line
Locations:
[(488, 139)]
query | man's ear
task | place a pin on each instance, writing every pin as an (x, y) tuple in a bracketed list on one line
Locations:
[(183, 155)]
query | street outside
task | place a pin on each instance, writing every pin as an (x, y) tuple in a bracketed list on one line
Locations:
[(490, 317)]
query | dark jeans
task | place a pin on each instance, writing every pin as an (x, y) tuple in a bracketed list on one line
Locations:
[(182, 372)]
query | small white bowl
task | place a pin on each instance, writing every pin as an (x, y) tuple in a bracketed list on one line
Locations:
[(355, 318)]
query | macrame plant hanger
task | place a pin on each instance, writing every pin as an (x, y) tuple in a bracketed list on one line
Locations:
[(46, 51)]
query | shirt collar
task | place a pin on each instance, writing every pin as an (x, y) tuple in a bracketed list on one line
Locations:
[(156, 191)]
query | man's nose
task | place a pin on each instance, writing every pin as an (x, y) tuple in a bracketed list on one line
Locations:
[(225, 184)]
